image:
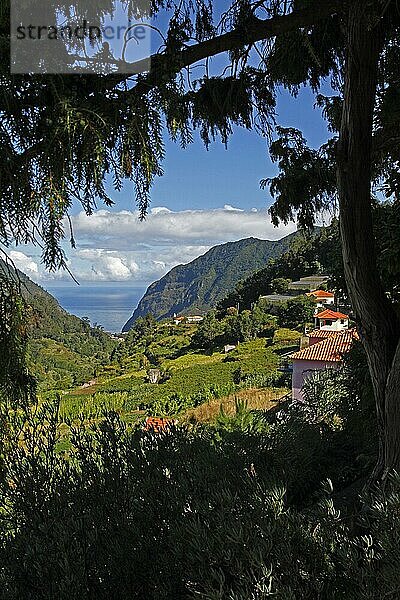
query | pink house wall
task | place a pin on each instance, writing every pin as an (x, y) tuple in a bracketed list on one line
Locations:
[(303, 369)]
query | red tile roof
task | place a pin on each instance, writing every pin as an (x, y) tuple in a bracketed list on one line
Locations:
[(321, 333), (158, 424), (331, 349), (330, 314), (321, 294)]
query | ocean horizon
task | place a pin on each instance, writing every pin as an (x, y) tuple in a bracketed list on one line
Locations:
[(106, 305)]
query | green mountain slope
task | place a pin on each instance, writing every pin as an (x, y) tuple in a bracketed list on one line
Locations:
[(199, 285), (50, 319), (63, 349)]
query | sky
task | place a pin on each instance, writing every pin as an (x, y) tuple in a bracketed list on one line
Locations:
[(204, 198)]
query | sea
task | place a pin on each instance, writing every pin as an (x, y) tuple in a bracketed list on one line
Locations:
[(106, 305)]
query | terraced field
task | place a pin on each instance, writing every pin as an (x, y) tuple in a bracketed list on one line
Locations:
[(193, 380)]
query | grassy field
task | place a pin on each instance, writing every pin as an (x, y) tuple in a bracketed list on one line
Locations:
[(254, 399)]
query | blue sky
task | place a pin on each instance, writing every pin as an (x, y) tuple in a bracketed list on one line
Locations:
[(197, 178), (204, 198)]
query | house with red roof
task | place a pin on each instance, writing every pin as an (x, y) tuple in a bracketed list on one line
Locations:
[(324, 352), (329, 320), (323, 295), (317, 335), (322, 299)]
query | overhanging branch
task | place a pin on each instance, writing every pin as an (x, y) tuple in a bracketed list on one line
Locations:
[(164, 66)]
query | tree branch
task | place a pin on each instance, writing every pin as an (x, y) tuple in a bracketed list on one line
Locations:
[(164, 66), (385, 140)]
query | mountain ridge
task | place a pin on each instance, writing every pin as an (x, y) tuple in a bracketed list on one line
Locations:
[(198, 285)]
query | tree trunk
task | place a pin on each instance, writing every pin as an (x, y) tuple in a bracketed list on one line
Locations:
[(376, 316)]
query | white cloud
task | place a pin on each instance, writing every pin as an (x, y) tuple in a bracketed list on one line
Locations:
[(157, 210), (105, 265), (124, 231), (232, 208), (25, 264), (117, 246)]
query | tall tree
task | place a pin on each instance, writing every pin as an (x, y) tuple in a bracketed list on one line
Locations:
[(367, 32), (61, 136)]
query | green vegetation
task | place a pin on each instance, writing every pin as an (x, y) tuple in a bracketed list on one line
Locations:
[(299, 501), (64, 351), (190, 365), (56, 367), (306, 255), (93, 373), (219, 510), (296, 312), (194, 378), (232, 326), (254, 486)]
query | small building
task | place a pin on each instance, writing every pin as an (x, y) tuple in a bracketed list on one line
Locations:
[(325, 354), (311, 282), (322, 299), (330, 320), (195, 319), (191, 319), (323, 296), (228, 348), (178, 320), (276, 298), (154, 376)]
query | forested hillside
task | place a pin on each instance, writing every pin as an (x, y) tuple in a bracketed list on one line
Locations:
[(63, 349), (320, 252), (315, 253), (199, 285)]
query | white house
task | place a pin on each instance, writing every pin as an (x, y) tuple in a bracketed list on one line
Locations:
[(329, 320), (189, 319), (322, 299), (195, 319)]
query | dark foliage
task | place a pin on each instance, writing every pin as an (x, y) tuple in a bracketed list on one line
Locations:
[(232, 511)]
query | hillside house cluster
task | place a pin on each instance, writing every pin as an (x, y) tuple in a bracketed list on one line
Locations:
[(324, 349)]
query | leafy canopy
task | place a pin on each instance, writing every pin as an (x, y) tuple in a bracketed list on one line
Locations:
[(64, 137)]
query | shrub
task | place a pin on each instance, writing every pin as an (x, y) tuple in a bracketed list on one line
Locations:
[(123, 513), (286, 336), (296, 312)]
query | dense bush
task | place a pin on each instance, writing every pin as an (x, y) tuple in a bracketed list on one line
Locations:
[(236, 510), (296, 312), (103, 509), (231, 326)]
